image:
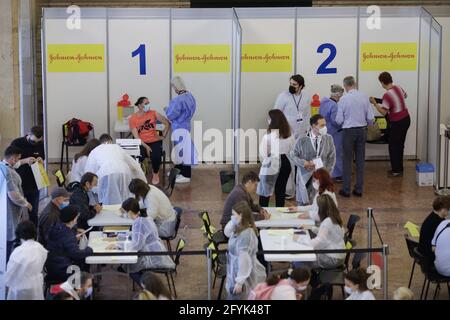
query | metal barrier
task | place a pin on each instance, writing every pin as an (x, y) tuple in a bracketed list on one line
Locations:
[(384, 250)]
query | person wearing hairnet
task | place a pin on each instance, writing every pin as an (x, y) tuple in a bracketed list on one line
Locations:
[(115, 170), (328, 109), (180, 112)]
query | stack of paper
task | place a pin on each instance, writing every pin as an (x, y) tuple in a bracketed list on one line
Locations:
[(280, 232)]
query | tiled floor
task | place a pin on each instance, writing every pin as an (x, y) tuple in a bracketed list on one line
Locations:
[(394, 201)]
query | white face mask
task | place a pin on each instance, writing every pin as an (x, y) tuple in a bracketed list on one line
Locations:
[(88, 292), (323, 131), (301, 288), (316, 185), (16, 165), (235, 220), (348, 290)]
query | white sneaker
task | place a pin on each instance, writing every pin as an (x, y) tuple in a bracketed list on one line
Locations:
[(182, 179)]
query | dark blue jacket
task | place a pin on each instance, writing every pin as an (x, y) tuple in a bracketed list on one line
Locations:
[(63, 251), (80, 199)]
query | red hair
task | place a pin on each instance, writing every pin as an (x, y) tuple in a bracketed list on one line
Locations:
[(325, 181)]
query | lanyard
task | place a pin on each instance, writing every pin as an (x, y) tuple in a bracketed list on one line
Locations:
[(297, 104)]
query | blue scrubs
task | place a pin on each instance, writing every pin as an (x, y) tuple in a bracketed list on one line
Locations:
[(328, 109), (180, 113)]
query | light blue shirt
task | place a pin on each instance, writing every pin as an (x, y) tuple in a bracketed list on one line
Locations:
[(328, 109), (354, 110)]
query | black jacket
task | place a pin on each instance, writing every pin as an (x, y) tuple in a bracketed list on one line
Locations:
[(28, 150), (48, 217), (80, 199), (63, 252)]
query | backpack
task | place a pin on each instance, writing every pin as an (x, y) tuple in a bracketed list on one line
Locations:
[(77, 131), (263, 291)]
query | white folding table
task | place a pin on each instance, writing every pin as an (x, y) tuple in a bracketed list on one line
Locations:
[(279, 219), (282, 239), (99, 245), (110, 216)]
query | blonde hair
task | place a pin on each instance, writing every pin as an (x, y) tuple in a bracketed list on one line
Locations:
[(403, 293)]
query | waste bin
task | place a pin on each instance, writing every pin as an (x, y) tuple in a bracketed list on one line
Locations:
[(227, 181)]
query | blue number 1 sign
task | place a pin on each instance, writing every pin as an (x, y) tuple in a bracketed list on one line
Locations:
[(323, 68), (142, 59)]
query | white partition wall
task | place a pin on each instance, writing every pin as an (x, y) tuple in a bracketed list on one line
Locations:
[(139, 50), (326, 47), (3, 232), (398, 32), (423, 79), (264, 32), (201, 53), (139, 57), (75, 88), (236, 86)]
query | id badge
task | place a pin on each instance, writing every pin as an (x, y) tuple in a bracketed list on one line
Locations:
[(318, 163), (299, 120)]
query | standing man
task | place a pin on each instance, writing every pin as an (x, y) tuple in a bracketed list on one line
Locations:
[(295, 105), (310, 153), (16, 202), (31, 146), (328, 109), (354, 114), (180, 113)]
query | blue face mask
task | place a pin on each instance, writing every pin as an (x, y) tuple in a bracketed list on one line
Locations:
[(64, 205), (147, 107), (234, 220)]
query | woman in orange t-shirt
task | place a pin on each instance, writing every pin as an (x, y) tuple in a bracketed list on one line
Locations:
[(143, 126)]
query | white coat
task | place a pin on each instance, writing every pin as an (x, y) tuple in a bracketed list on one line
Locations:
[(115, 170), (24, 272)]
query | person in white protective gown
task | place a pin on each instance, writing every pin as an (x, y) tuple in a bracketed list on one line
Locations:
[(244, 271), (311, 153), (115, 170), (80, 159), (24, 277), (145, 238)]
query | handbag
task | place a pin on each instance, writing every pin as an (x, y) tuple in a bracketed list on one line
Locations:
[(373, 132)]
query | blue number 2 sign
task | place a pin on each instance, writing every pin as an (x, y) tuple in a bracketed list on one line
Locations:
[(323, 68), (142, 59)]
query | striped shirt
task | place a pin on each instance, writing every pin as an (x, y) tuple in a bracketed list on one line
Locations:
[(394, 102)]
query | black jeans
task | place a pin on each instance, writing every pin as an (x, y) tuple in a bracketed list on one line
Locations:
[(155, 155), (397, 137), (185, 170), (280, 184), (33, 198)]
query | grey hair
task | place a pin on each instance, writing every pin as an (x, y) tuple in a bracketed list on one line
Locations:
[(349, 81), (336, 90), (178, 83)]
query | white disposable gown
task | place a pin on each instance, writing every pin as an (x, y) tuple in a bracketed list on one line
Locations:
[(145, 239), (242, 265), (23, 276), (115, 170)]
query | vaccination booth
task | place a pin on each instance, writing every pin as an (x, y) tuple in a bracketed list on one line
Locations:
[(236, 62)]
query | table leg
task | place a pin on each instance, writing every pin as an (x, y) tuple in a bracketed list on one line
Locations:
[(128, 282)]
